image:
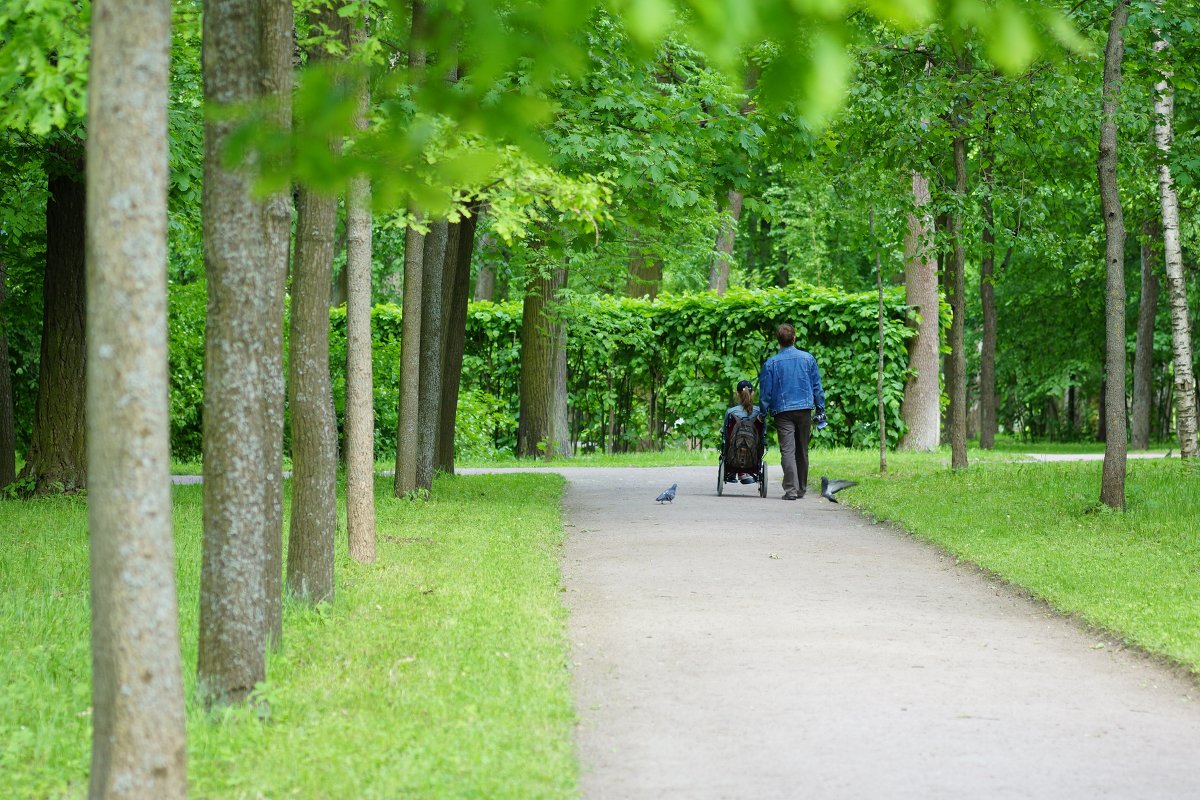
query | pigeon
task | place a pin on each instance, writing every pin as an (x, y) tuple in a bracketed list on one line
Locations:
[(830, 488), (668, 495)]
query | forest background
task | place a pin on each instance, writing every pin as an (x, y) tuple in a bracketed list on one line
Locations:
[(659, 176)]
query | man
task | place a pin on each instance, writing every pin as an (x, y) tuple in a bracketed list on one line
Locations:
[(789, 388)]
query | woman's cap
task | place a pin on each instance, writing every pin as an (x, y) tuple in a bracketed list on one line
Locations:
[(744, 385)]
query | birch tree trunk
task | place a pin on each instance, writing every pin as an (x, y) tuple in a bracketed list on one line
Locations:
[(1112, 482), (957, 381), (456, 325), (139, 745), (921, 409), (238, 338), (718, 276), (430, 396), (1143, 360), (360, 381), (1181, 335), (278, 47), (57, 457)]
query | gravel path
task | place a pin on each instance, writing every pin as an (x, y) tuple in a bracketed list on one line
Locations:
[(738, 647)]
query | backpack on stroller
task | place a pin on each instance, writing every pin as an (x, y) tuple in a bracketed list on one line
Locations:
[(742, 453)]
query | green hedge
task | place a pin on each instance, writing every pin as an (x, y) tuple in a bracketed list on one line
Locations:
[(641, 373)]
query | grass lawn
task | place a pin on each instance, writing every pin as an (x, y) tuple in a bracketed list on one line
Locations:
[(1037, 525), (438, 672)]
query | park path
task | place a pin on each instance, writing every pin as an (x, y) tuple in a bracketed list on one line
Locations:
[(741, 647)]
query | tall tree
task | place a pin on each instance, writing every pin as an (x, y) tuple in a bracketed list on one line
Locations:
[(957, 380), (456, 331), (8, 422), (139, 741), (360, 382), (278, 50), (879, 362), (541, 428), (1143, 359), (1181, 336), (57, 455), (233, 599), (434, 261), (921, 409), (485, 284), (310, 393), (645, 275), (987, 299), (1112, 483), (405, 480), (718, 276)]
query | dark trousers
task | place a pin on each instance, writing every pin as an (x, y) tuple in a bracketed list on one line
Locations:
[(794, 428)]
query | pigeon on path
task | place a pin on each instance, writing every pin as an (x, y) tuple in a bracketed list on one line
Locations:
[(668, 495), (830, 488)]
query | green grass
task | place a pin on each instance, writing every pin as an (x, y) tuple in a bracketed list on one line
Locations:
[(1010, 444), (438, 672), (1038, 526)]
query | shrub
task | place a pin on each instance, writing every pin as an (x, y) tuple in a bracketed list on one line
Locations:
[(641, 373)]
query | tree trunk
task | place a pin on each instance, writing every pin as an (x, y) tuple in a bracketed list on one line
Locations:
[(430, 395), (543, 340), (718, 276), (313, 529), (957, 382), (405, 479), (1181, 335), (987, 303), (921, 409), (645, 275), (278, 47), (879, 365), (1143, 360), (239, 334), (314, 429), (57, 458), (455, 341), (8, 427), (485, 284), (360, 381), (1112, 484), (139, 743)]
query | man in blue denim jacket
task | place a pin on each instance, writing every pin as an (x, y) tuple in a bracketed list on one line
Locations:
[(789, 388)]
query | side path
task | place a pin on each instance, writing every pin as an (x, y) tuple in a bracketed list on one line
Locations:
[(741, 647)]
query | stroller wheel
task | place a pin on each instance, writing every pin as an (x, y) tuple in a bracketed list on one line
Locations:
[(762, 481), (720, 477)]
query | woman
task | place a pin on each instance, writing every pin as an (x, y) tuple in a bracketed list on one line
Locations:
[(744, 410)]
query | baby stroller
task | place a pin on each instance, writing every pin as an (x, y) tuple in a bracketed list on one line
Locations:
[(742, 452)]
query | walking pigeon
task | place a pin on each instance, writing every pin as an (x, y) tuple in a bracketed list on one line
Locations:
[(667, 496), (830, 488)]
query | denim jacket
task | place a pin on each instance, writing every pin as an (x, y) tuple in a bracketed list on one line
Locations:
[(790, 381)]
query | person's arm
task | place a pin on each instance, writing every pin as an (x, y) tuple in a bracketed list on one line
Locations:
[(764, 390), (814, 376)]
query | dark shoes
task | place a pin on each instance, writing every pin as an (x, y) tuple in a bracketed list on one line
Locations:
[(793, 495), (746, 478)]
